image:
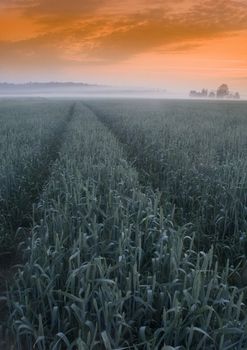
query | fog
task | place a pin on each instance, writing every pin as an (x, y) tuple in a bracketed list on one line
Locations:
[(82, 90), (78, 90)]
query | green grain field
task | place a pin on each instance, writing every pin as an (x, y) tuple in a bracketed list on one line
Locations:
[(123, 224)]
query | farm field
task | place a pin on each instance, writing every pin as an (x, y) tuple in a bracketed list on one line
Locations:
[(28, 138), (128, 222)]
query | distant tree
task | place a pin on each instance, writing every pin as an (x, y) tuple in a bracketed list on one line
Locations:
[(193, 93), (203, 93), (222, 91)]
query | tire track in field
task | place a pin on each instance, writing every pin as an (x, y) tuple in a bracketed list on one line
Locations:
[(34, 185), (145, 178), (31, 188), (171, 206)]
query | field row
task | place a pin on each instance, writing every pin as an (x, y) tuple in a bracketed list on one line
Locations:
[(106, 268), (30, 137), (195, 154)]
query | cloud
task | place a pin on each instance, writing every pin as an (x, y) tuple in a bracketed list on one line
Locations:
[(15, 4), (42, 50), (71, 31), (156, 29), (52, 6)]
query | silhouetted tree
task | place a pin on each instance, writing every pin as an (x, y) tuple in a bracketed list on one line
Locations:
[(222, 91)]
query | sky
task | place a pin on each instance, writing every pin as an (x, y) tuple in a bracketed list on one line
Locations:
[(170, 44)]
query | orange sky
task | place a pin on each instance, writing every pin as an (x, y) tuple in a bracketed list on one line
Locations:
[(173, 44)]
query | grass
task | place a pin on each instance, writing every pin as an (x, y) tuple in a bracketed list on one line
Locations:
[(113, 261), (195, 154), (30, 137)]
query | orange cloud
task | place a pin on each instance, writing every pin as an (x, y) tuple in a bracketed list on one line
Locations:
[(117, 39), (72, 33), (151, 30)]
